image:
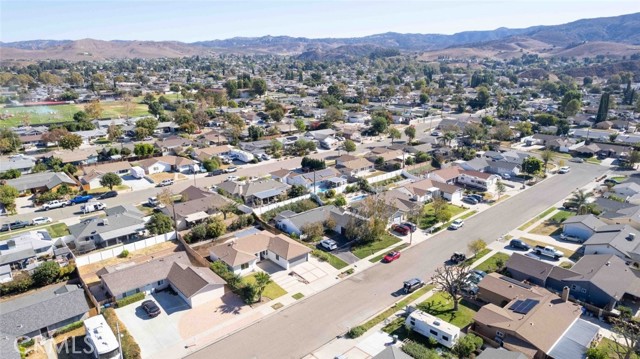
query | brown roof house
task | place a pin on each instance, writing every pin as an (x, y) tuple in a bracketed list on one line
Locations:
[(91, 175), (196, 206), (196, 285), (532, 320), (243, 254)]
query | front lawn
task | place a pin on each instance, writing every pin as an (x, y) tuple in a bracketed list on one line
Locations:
[(441, 306), (58, 230), (101, 190), (323, 256), (609, 346), (363, 250), (427, 218), (536, 219), (494, 263), (272, 291), (552, 226)]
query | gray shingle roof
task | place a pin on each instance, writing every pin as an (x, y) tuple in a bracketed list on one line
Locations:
[(37, 180), (588, 220)]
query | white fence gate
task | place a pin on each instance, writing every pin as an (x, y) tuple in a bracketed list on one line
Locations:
[(112, 252)]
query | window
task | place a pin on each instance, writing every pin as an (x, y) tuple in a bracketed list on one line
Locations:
[(433, 332), (499, 334), (244, 266), (161, 282), (446, 338), (413, 322), (574, 287), (277, 257)]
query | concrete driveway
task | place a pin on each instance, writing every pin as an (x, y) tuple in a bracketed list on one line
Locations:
[(159, 333), (135, 183)]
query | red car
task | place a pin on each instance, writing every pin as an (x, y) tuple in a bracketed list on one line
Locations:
[(391, 256), (400, 229)]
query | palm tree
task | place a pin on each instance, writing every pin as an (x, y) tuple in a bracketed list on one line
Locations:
[(580, 201), (262, 280), (448, 137)]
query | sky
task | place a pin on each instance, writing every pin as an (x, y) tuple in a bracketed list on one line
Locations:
[(199, 20)]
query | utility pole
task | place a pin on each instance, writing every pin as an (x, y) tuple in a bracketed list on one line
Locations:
[(119, 341)]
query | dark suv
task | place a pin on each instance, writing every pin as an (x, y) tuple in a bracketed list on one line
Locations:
[(519, 244), (151, 308), (411, 285)]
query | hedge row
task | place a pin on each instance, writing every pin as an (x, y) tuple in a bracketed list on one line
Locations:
[(130, 299), (129, 347), (68, 328)]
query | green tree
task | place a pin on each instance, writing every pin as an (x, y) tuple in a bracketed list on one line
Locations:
[(276, 148), (299, 125), (394, 133), (500, 188), (525, 128), (597, 353), (255, 132), (216, 227), (10, 174), (110, 180), (149, 123), (296, 191), (532, 165), (46, 273), (603, 107), (572, 107), (634, 159), (159, 223), (547, 156), (259, 86), (410, 132), (263, 279), (333, 114), (349, 146), (8, 195), (211, 164), (228, 208), (580, 201), (80, 116), (476, 246), (379, 125), (141, 132), (70, 141), (313, 231), (94, 110), (9, 141), (466, 346), (143, 149), (156, 108), (113, 132)]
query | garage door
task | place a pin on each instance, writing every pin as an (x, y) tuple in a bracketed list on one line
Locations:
[(298, 260), (207, 296)]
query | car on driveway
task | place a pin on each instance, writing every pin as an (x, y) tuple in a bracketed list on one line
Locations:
[(151, 308), (412, 227), (400, 229), (505, 176), (477, 197), (519, 244), (611, 181), (391, 256), (564, 169), (109, 194), (457, 224), (41, 220), (329, 244), (470, 200)]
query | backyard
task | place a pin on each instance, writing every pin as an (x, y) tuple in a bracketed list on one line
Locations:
[(363, 250), (272, 291)]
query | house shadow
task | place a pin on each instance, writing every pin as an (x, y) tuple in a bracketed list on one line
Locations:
[(170, 302), (231, 304)]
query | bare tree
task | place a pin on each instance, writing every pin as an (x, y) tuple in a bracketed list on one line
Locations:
[(450, 279), (628, 344)]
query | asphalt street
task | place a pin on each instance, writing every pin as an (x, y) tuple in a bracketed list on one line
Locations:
[(310, 323)]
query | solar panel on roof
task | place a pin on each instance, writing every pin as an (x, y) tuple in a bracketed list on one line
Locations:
[(524, 306)]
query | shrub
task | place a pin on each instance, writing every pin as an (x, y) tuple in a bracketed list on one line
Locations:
[(241, 222), (124, 254), (130, 299), (419, 351), (330, 193), (21, 283), (198, 232), (356, 332), (46, 273), (130, 349), (27, 344), (68, 328), (322, 256), (249, 293)]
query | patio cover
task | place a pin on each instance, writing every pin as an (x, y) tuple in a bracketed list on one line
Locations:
[(194, 217)]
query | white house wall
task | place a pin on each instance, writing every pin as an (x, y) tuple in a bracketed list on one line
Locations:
[(278, 260), (207, 294)]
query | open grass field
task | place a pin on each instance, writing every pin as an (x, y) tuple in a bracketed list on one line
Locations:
[(272, 291), (38, 115)]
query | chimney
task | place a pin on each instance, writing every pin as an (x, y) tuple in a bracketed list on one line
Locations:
[(631, 236), (565, 294), (105, 222)]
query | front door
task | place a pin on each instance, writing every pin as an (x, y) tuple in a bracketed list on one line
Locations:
[(44, 332)]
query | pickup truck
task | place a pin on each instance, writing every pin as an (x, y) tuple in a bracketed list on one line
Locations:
[(92, 207), (81, 199), (55, 204), (548, 251)]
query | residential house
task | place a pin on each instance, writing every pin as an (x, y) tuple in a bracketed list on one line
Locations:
[(493, 353), (24, 164), (320, 135), (195, 285), (39, 314), (91, 175), (22, 251), (196, 206), (629, 216), (392, 352), (280, 175), (626, 190), (389, 156), (532, 321), (358, 117), (480, 180), (320, 179), (447, 175), (620, 240), (260, 192), (122, 223), (77, 157), (42, 182), (583, 226), (293, 223), (243, 254), (168, 164), (203, 154), (173, 145), (355, 168)]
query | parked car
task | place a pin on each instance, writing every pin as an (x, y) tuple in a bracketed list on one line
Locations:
[(564, 169), (569, 238), (400, 229), (477, 197), (391, 256), (611, 181), (458, 257), (109, 194), (154, 202), (265, 157), (457, 224), (215, 173), (151, 308), (470, 200), (411, 285), (165, 182), (92, 207), (14, 225), (412, 227), (81, 199), (505, 176), (577, 160), (519, 244), (548, 251), (41, 220), (479, 273), (329, 244), (436, 133), (230, 169), (55, 204), (469, 287), (232, 178)]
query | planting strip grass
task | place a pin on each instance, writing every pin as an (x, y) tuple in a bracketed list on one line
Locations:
[(478, 255), (536, 218)]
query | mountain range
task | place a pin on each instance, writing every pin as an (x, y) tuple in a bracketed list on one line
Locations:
[(619, 35)]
